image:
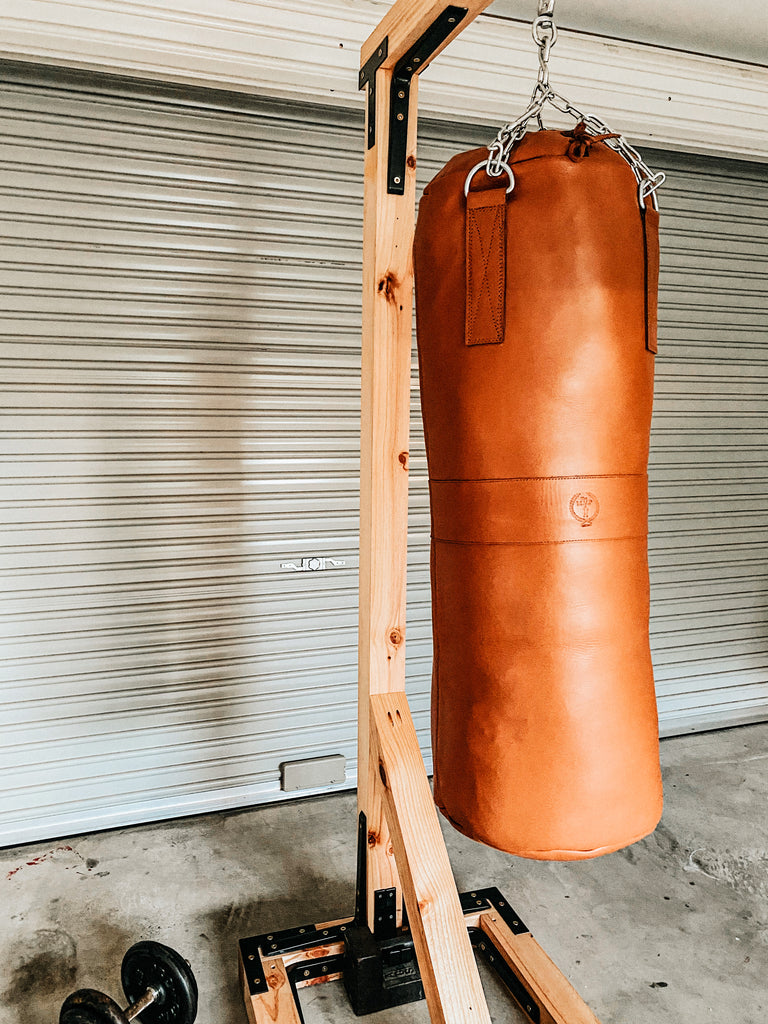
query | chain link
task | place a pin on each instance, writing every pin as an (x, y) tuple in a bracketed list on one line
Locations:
[(544, 33)]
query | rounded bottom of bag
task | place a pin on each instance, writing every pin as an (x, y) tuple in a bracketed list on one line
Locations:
[(562, 855)]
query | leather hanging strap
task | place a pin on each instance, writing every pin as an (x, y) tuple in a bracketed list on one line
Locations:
[(486, 266), (651, 243)]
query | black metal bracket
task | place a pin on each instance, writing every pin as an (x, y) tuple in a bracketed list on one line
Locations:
[(482, 900), (291, 940), (368, 78), (493, 957), (306, 973), (400, 90)]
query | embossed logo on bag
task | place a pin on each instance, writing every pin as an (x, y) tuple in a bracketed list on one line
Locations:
[(584, 507)]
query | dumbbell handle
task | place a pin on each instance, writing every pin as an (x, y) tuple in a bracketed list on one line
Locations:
[(149, 997)]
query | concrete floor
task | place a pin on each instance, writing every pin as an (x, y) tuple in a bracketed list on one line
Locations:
[(673, 929)]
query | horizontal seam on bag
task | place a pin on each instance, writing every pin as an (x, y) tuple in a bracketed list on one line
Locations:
[(534, 543), (507, 479)]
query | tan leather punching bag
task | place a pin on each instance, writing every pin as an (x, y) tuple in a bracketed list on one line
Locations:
[(536, 317)]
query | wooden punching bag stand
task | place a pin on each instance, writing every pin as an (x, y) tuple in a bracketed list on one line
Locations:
[(388, 954)]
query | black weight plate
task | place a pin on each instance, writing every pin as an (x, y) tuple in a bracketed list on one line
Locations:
[(87, 1006), (153, 965)]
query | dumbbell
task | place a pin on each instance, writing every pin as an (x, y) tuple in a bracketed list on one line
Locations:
[(158, 984)]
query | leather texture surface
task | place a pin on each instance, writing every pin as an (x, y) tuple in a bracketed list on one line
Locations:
[(536, 391)]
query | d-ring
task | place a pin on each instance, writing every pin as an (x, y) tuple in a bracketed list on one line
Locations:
[(484, 163)]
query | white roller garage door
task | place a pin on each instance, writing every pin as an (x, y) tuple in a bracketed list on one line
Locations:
[(179, 349)]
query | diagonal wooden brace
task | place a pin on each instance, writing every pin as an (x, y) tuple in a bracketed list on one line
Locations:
[(448, 970)]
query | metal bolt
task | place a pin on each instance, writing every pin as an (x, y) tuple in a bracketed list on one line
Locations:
[(400, 117), (306, 974), (325, 932), (379, 52), (397, 181), (417, 60), (251, 956), (401, 95), (270, 937), (302, 930), (451, 21)]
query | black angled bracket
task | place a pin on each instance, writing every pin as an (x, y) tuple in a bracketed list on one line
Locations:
[(400, 90), (368, 78), (399, 97)]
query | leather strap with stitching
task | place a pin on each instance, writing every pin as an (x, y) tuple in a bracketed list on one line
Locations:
[(486, 266)]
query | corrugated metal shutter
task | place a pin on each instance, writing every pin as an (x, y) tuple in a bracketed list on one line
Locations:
[(709, 459), (180, 396)]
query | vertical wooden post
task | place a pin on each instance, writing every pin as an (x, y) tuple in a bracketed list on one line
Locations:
[(386, 373), (386, 376)]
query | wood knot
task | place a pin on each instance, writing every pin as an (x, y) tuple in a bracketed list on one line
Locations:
[(402, 458), (372, 839), (382, 773), (387, 286), (395, 637), (411, 161)]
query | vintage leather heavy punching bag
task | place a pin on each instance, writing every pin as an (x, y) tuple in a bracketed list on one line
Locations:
[(536, 312)]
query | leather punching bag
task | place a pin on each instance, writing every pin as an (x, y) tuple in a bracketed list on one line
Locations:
[(536, 317)]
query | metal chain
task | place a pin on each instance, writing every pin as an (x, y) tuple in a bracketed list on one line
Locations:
[(544, 33)]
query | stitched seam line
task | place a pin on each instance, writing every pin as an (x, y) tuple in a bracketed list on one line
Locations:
[(471, 301), (478, 279), (534, 543), (505, 479), (486, 260)]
